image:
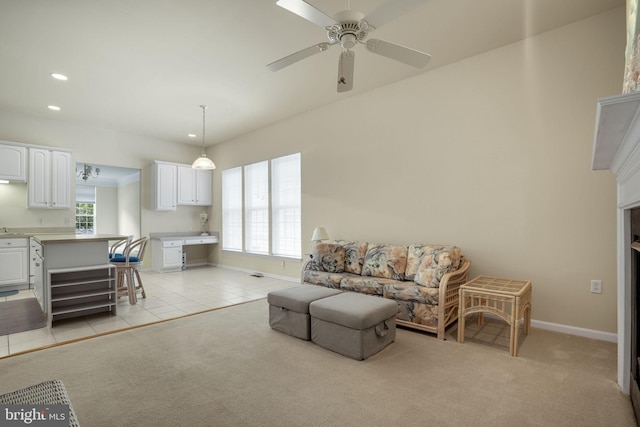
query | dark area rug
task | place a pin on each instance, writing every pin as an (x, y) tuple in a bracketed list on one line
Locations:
[(21, 315), (7, 293)]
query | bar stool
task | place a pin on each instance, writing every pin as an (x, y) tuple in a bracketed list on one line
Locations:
[(127, 272), (117, 249)]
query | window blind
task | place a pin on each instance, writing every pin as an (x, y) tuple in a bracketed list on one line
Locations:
[(285, 206), (256, 207), (232, 209)]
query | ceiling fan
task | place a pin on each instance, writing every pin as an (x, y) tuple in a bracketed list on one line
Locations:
[(349, 28)]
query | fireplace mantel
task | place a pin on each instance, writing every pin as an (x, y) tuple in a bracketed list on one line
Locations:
[(617, 147)]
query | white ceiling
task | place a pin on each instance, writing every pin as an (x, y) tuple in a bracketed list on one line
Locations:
[(145, 66)]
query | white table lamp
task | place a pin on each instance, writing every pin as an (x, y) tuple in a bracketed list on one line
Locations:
[(319, 234)]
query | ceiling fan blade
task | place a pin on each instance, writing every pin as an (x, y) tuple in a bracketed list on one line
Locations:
[(345, 70), (399, 53), (298, 56), (308, 12), (390, 11)]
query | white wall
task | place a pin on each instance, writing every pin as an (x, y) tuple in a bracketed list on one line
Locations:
[(129, 209), (106, 210), (492, 154)]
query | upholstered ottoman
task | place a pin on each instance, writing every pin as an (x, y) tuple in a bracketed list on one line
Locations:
[(289, 308), (354, 325)]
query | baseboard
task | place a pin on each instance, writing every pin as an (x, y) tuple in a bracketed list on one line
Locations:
[(273, 276), (574, 330)]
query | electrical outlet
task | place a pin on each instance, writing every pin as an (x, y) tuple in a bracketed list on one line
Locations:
[(282, 265), (596, 286), (41, 221)]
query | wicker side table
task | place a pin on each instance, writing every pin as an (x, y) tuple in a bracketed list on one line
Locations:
[(506, 298)]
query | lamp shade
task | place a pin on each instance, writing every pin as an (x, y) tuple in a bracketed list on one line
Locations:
[(203, 162), (319, 233)]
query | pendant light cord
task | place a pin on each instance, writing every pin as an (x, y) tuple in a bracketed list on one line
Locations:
[(204, 107)]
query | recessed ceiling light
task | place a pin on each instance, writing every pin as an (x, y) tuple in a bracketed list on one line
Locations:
[(191, 135), (53, 107), (58, 76)]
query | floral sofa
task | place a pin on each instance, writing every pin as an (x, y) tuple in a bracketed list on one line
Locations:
[(422, 279)]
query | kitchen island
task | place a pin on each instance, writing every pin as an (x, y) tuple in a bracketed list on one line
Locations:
[(76, 277)]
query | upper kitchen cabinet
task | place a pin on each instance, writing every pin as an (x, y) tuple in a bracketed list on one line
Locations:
[(194, 186), (164, 177), (49, 184), (13, 163)]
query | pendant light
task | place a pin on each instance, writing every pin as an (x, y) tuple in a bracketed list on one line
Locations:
[(203, 162)]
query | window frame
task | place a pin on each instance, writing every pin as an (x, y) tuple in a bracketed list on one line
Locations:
[(251, 231)]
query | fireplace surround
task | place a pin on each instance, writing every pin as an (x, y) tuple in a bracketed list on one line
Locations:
[(617, 148)]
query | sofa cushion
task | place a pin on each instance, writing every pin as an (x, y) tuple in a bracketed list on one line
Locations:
[(436, 264), (386, 261), (354, 255), (365, 284), (328, 257), (408, 291), (323, 278), (415, 254)]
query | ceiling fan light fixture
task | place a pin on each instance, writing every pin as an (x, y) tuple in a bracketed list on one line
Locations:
[(203, 162), (349, 28)]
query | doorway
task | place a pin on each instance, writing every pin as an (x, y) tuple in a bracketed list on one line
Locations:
[(114, 193)]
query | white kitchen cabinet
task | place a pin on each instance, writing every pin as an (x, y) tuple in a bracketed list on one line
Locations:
[(164, 177), (166, 255), (14, 262), (194, 186), (49, 184), (13, 163)]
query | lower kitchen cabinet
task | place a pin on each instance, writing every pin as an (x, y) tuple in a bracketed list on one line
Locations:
[(14, 263), (166, 255)]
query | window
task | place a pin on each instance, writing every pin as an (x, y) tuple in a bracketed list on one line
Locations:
[(232, 209), (256, 208), (85, 209), (261, 207), (285, 205)]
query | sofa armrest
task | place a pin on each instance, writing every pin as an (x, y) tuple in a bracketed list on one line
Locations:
[(306, 266), (451, 282)]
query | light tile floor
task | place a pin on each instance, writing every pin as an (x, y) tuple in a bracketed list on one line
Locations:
[(169, 295)]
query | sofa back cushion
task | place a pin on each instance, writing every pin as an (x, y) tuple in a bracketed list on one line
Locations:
[(328, 257), (436, 262), (354, 255), (386, 261)]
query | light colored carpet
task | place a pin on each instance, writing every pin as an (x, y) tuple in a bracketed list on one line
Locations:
[(228, 368)]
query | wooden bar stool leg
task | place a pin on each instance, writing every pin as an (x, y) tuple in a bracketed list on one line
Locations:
[(131, 286), (144, 295)]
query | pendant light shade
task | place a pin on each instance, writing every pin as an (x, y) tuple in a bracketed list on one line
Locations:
[(203, 162)]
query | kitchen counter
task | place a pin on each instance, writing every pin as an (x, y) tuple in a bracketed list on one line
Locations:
[(187, 235), (71, 238), (45, 238)]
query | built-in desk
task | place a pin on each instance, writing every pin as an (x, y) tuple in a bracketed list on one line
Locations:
[(167, 249)]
